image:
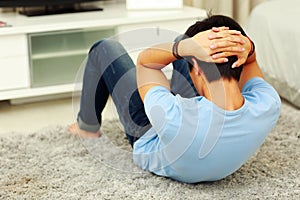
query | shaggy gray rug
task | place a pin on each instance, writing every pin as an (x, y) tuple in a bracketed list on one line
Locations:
[(51, 164)]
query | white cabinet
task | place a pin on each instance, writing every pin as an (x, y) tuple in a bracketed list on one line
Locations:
[(14, 71), (41, 55), (55, 57)]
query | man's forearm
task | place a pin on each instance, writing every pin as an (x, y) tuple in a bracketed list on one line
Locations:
[(250, 70), (251, 59), (156, 57)]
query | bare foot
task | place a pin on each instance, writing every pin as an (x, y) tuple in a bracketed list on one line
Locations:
[(74, 129)]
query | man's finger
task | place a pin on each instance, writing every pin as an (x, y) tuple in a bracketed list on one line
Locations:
[(220, 60), (238, 63), (235, 50), (223, 34), (217, 29), (222, 44)]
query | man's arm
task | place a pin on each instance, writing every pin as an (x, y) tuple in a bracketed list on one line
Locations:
[(202, 46), (149, 65), (250, 70)]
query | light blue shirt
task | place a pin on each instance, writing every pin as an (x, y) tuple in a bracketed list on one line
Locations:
[(193, 140)]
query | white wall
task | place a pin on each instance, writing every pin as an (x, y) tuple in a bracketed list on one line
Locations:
[(238, 9)]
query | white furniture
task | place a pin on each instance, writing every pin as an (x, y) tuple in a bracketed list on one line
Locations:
[(273, 25), (153, 4), (41, 55)]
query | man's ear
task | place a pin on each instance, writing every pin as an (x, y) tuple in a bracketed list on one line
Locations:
[(196, 67)]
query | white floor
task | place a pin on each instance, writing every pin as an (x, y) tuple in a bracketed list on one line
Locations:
[(30, 117)]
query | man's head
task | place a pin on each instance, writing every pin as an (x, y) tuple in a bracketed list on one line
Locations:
[(223, 69)]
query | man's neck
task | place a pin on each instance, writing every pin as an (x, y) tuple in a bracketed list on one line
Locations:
[(224, 93)]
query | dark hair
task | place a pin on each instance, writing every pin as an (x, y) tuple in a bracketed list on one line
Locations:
[(209, 69)]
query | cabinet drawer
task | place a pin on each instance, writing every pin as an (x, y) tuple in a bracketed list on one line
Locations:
[(14, 73), (13, 45)]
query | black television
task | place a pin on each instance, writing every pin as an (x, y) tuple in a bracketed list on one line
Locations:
[(48, 7)]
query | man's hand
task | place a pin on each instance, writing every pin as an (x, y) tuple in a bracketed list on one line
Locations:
[(226, 45), (216, 45)]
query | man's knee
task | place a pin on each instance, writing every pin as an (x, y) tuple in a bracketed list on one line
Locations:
[(106, 45), (103, 53)]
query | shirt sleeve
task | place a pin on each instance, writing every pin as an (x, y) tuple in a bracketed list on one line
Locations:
[(263, 97), (260, 84), (163, 110)]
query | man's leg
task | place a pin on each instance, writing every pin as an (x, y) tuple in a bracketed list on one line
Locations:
[(89, 116), (110, 61)]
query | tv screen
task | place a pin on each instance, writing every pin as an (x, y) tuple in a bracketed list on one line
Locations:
[(47, 7)]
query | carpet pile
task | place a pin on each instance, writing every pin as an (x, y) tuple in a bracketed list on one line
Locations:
[(51, 164)]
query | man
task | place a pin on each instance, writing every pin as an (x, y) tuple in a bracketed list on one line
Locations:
[(203, 126)]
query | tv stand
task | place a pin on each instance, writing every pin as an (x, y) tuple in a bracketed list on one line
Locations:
[(40, 56), (57, 9)]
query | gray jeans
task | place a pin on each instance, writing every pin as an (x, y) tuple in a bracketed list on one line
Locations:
[(110, 71)]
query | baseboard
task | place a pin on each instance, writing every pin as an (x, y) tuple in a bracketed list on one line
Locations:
[(40, 98)]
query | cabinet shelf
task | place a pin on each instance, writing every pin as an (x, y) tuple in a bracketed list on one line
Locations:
[(59, 54), (55, 57)]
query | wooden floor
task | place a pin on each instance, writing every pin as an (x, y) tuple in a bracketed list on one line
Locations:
[(30, 117)]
